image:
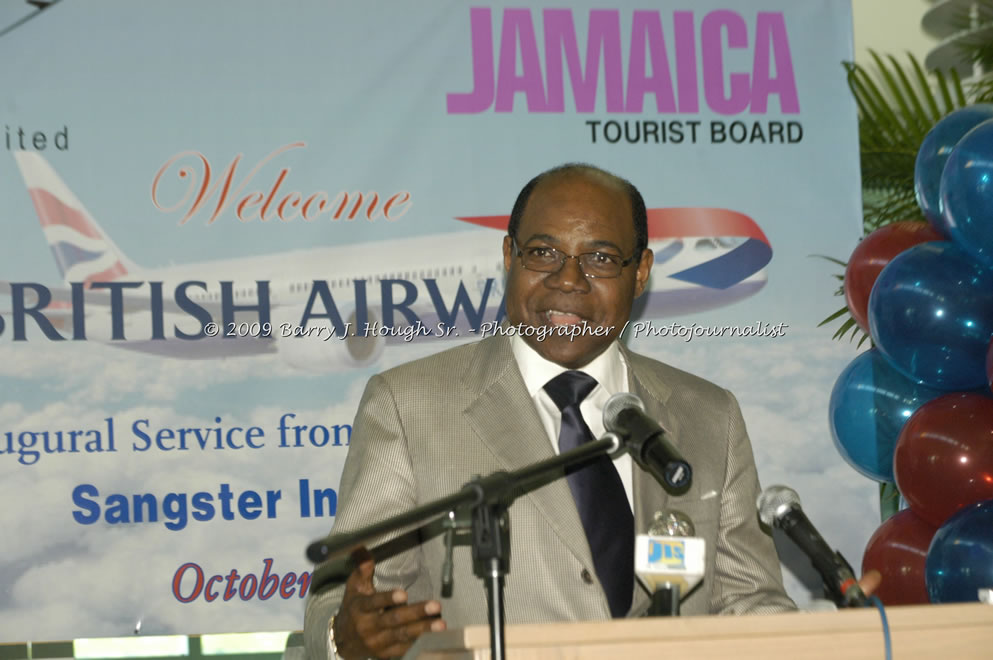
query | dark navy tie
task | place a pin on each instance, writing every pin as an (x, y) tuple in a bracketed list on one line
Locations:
[(599, 494)]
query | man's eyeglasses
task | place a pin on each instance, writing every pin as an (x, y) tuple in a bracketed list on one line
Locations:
[(593, 264)]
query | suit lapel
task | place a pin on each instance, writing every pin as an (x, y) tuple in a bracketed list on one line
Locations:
[(504, 418), (649, 497)]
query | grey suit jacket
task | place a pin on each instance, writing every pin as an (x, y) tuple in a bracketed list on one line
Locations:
[(427, 427)]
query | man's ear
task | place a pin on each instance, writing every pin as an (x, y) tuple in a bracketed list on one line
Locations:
[(508, 252), (644, 270)]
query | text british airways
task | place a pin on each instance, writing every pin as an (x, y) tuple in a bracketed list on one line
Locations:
[(116, 303)]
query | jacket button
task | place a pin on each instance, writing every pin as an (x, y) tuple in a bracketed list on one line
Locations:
[(587, 576)]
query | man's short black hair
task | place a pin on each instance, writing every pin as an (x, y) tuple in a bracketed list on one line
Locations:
[(638, 214)]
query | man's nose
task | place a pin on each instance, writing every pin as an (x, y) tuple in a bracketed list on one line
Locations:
[(570, 277)]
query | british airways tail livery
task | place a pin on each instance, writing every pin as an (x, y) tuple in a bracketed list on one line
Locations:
[(82, 251)]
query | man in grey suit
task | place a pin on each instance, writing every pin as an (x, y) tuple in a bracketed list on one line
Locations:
[(576, 258)]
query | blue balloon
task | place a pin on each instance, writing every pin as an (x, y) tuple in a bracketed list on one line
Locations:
[(960, 559), (870, 403), (931, 315), (967, 193), (934, 152)]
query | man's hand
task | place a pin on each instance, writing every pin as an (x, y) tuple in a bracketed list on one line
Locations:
[(379, 624)]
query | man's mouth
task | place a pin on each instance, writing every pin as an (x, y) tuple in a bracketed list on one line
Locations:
[(557, 317)]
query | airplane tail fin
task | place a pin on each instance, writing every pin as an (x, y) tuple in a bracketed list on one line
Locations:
[(83, 252)]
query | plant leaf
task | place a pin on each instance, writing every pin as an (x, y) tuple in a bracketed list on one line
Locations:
[(897, 105), (840, 332), (831, 259), (841, 312)]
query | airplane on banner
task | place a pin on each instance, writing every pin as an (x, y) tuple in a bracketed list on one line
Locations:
[(335, 307)]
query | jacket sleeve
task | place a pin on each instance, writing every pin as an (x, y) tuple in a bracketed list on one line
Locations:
[(749, 577), (376, 483)]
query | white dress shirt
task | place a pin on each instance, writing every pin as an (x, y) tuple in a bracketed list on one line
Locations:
[(611, 374)]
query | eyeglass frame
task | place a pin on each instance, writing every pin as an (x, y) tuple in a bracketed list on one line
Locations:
[(565, 257)]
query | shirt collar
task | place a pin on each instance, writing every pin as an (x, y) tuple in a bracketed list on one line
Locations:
[(608, 368)]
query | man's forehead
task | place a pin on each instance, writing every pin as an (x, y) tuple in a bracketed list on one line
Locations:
[(579, 177), (564, 188)]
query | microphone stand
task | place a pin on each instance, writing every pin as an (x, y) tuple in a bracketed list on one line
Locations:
[(665, 600), (488, 498)]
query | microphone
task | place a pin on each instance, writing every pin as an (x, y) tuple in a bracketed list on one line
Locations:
[(779, 506), (669, 560), (624, 414)]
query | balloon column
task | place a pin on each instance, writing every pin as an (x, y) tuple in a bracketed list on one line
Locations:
[(917, 408)]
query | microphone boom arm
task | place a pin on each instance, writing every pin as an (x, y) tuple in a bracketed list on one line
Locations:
[(489, 498), (498, 486)]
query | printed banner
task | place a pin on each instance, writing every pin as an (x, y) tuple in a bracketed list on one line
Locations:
[(222, 218)]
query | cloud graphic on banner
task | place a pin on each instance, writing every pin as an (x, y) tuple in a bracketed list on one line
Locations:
[(103, 375)]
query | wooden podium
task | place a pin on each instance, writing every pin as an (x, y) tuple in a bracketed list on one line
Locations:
[(946, 632)]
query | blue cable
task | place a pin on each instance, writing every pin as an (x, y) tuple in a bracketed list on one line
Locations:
[(886, 625)]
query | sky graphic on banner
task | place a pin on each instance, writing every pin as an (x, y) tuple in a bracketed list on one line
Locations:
[(322, 183)]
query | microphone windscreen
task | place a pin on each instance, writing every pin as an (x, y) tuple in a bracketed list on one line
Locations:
[(614, 406), (671, 523), (775, 501)]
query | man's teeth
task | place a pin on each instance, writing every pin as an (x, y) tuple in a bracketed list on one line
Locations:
[(562, 318)]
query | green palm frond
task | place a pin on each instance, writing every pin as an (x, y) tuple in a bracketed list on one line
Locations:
[(982, 88), (897, 105), (882, 206)]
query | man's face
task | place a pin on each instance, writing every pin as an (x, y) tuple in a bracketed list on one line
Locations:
[(574, 214)]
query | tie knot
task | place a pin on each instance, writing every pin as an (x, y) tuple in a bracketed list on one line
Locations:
[(569, 388)]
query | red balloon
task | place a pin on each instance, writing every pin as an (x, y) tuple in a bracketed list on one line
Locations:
[(898, 550), (944, 456), (872, 254)]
